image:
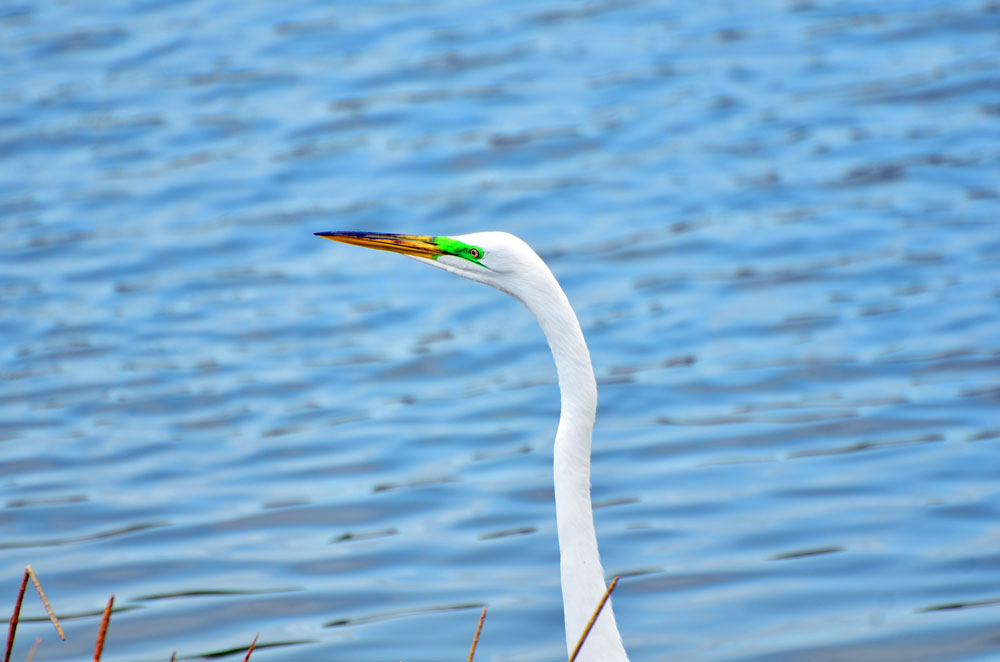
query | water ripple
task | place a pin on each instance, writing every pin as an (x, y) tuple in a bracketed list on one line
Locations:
[(777, 225)]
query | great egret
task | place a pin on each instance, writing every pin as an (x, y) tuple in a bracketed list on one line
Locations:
[(507, 263)]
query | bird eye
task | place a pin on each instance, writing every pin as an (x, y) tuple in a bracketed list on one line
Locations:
[(476, 253)]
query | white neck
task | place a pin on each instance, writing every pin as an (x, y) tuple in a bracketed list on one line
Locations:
[(579, 560)]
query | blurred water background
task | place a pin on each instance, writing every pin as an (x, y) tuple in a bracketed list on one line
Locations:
[(777, 220)]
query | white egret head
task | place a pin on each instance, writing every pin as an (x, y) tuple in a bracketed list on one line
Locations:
[(498, 259)]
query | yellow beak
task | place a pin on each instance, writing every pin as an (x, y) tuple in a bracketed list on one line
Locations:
[(407, 244)]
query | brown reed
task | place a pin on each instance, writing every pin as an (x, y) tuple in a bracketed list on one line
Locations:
[(103, 631), (34, 649), (475, 637), (250, 650), (593, 619)]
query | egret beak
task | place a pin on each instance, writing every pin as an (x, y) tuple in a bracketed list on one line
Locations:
[(407, 244)]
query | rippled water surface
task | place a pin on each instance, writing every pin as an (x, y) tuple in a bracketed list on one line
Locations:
[(778, 222)]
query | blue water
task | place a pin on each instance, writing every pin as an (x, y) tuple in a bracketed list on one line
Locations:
[(778, 221)]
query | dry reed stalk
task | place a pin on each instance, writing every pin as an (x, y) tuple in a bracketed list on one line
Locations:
[(34, 649), (475, 637), (45, 601), (12, 628), (250, 650), (593, 619), (101, 633)]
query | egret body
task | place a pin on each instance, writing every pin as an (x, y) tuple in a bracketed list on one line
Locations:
[(507, 263)]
